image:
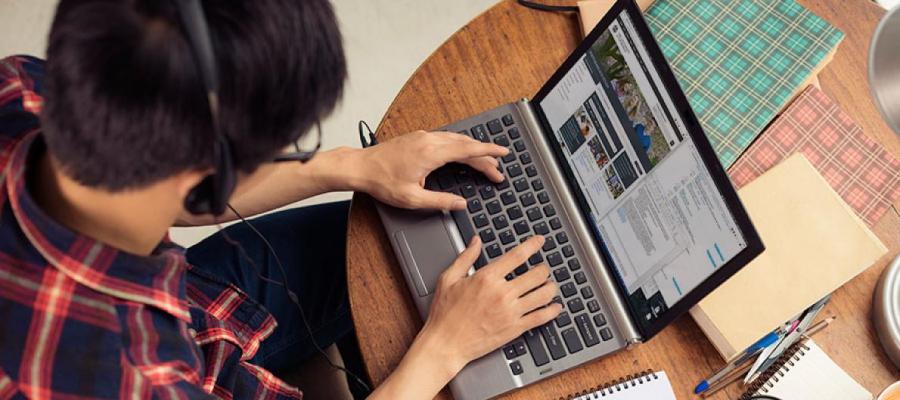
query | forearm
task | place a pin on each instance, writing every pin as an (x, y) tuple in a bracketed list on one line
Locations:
[(289, 182), (422, 373)]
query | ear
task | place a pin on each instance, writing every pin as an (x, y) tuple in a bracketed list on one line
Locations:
[(184, 182)]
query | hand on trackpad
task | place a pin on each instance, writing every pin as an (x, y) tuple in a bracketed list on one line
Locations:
[(427, 250)]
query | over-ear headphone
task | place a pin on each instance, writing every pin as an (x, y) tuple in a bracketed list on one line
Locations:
[(211, 195)]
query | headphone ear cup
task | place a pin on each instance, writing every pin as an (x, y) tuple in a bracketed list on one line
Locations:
[(211, 195)]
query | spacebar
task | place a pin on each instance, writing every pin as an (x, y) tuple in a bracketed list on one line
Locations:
[(467, 231)]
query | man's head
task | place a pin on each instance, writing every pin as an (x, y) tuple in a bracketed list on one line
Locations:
[(125, 106)]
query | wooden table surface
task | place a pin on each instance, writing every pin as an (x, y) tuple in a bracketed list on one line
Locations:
[(507, 53)]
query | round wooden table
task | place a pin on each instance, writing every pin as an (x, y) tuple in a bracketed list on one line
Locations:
[(506, 54)]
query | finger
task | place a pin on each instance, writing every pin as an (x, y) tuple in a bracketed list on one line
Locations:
[(535, 277), (540, 316), (538, 298), (487, 166), (463, 149), (460, 268), (515, 257), (427, 199)]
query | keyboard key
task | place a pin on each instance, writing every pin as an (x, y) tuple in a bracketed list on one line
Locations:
[(538, 354), (507, 197), (521, 270), (501, 140), (531, 171), (468, 190), (561, 275), (514, 170), (463, 176), (508, 120), (549, 243), (487, 192), (480, 262), (527, 199), (494, 126), (568, 289), (600, 320), (474, 205), (563, 319), (554, 259), (446, 180), (575, 305), (534, 214), (555, 224), (579, 278), (521, 184), (509, 157), (480, 220), (500, 222), (558, 300), (562, 238), (537, 184), (479, 133), (502, 184), (516, 367), (542, 229), (606, 334), (587, 292), (554, 343), (549, 210), (588, 333), (573, 343), (525, 158), (568, 251), (574, 264), (543, 197), (521, 227), (487, 235), (519, 145), (510, 352), (514, 133), (535, 259), (514, 213), (493, 250), (494, 207), (507, 237), (510, 276), (520, 348), (593, 305)]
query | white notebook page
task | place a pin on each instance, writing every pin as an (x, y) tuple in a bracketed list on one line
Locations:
[(654, 386), (813, 375)]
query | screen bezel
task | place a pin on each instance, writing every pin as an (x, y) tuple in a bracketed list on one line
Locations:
[(704, 147)]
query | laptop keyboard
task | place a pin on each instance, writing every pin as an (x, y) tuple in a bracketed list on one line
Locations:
[(506, 214)]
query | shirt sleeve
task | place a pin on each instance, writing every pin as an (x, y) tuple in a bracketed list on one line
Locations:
[(21, 81)]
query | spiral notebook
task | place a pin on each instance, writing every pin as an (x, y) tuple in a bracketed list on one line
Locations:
[(806, 372), (647, 385)]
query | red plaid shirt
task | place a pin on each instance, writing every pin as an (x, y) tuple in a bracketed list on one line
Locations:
[(84, 320)]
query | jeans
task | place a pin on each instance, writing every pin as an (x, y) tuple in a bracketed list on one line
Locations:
[(310, 242)]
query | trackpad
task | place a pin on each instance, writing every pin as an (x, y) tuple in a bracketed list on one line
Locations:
[(428, 251)]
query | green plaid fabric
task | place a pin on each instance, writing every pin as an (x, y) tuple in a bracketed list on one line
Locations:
[(739, 61)]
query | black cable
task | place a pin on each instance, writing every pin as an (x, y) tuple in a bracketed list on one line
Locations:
[(547, 7), (362, 135), (290, 293), (763, 397)]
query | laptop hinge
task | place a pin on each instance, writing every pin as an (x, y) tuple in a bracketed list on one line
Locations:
[(583, 234)]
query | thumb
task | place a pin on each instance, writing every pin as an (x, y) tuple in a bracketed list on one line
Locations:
[(461, 266), (428, 199)]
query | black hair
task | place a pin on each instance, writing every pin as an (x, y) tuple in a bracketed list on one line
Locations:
[(124, 106)]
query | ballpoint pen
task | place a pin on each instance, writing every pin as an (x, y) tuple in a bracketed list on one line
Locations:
[(766, 341)]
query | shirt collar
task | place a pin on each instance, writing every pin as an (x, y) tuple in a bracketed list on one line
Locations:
[(157, 280)]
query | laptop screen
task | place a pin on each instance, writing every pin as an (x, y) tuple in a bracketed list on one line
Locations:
[(659, 215)]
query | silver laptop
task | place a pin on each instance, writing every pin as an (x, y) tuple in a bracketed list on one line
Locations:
[(609, 163)]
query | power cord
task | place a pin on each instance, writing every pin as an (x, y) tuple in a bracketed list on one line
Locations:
[(362, 135), (290, 293), (546, 7)]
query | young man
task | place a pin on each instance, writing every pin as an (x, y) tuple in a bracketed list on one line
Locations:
[(100, 146)]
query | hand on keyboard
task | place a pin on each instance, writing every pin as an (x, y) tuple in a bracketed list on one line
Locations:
[(473, 315), (394, 171)]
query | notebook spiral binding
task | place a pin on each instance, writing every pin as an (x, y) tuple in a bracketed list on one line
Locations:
[(608, 388), (782, 365)]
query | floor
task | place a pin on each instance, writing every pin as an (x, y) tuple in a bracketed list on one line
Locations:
[(385, 41)]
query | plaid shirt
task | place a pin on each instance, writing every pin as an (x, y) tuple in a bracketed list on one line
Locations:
[(84, 320)]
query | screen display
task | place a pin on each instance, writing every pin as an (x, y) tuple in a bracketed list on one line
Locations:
[(660, 218)]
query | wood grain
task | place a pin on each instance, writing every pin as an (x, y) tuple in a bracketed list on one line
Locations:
[(507, 53)]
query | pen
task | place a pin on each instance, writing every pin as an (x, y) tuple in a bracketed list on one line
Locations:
[(766, 341), (725, 381), (806, 332)]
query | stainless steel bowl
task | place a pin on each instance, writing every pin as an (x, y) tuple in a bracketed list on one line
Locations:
[(884, 67)]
